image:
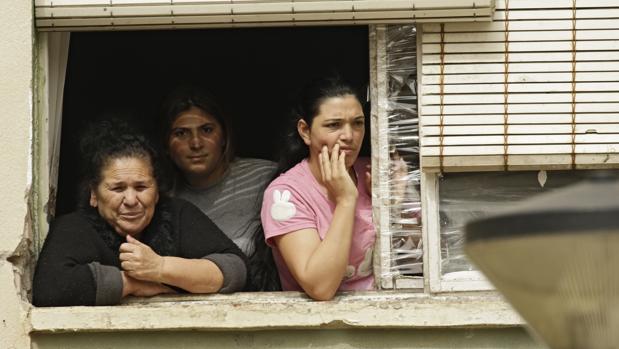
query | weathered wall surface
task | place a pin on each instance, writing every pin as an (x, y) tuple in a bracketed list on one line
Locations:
[(16, 66), (336, 339)]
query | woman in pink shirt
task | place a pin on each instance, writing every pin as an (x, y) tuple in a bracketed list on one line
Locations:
[(317, 216)]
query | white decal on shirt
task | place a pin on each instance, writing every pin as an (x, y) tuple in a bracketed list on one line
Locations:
[(365, 268), (282, 209)]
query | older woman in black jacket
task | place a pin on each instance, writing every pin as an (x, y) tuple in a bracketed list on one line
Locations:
[(130, 239)]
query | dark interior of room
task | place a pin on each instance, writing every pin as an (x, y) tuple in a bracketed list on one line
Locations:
[(254, 73)]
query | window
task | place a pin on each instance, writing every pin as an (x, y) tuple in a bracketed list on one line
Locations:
[(262, 68), (466, 196), (392, 64), (533, 90)]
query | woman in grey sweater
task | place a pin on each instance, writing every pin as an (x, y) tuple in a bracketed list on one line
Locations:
[(226, 188)]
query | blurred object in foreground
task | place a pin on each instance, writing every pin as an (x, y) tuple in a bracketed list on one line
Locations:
[(555, 258)]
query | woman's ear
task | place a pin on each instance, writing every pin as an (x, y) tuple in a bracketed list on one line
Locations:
[(304, 131), (93, 198)]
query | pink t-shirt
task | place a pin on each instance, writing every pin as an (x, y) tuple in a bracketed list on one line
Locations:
[(295, 201)]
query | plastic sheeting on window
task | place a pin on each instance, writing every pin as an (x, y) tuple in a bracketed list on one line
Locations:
[(403, 142), (465, 196)]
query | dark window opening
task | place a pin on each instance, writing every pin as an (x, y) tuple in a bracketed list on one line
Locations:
[(254, 73)]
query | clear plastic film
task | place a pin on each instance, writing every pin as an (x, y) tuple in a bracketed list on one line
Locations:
[(401, 175), (465, 196)]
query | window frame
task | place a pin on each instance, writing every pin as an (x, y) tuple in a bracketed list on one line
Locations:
[(48, 164), (381, 163), (489, 308), (48, 155), (432, 235)]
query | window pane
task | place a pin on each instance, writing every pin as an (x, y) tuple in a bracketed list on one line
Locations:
[(405, 210), (464, 196)]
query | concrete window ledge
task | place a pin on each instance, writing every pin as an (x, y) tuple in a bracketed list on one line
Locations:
[(281, 310)]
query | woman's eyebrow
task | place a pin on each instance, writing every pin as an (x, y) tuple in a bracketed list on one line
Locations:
[(180, 127)]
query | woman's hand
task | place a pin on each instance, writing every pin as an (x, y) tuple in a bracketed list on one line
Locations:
[(141, 264), (335, 177), (139, 261), (139, 288)]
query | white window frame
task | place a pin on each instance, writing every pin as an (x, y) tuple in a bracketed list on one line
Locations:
[(438, 283)]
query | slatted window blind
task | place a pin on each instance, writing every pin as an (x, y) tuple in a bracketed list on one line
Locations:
[(537, 88), (143, 14)]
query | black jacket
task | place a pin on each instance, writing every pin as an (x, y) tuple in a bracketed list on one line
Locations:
[(80, 241)]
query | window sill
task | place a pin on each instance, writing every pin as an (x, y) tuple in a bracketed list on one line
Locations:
[(282, 310)]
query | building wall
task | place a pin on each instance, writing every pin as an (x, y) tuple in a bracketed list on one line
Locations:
[(16, 66), (513, 338), (16, 99)]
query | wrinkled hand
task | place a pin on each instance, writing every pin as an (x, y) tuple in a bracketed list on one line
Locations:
[(335, 175), (139, 288), (139, 261)]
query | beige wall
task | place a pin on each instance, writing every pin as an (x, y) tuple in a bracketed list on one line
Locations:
[(16, 66)]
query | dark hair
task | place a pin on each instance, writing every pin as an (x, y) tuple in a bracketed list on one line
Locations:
[(308, 104), (263, 275), (109, 139), (184, 98)]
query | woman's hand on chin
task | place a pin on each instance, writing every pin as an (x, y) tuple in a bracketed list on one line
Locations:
[(140, 262), (335, 176)]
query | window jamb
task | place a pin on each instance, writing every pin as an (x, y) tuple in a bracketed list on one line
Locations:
[(41, 127), (50, 69), (380, 186)]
